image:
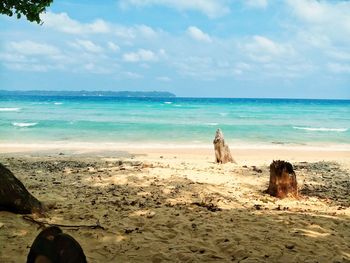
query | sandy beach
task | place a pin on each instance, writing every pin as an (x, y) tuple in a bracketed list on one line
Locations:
[(153, 131), (177, 205)]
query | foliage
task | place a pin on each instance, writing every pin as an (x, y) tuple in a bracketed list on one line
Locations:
[(31, 9)]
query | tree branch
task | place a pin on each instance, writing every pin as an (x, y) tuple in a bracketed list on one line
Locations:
[(43, 224)]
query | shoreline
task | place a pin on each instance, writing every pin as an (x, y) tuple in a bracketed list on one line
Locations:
[(76, 145), (242, 155)]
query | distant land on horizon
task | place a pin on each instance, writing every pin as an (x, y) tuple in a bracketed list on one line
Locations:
[(134, 94), (140, 94)]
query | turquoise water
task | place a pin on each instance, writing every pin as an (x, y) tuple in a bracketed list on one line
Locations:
[(186, 121)]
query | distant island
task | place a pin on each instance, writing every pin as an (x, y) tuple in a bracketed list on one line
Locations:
[(137, 94)]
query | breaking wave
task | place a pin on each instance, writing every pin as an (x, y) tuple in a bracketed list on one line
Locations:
[(24, 124), (321, 129), (212, 124), (10, 109)]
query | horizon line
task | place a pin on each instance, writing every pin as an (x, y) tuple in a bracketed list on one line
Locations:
[(155, 91)]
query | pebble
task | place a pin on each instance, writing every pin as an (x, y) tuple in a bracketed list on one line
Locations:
[(290, 246), (150, 214)]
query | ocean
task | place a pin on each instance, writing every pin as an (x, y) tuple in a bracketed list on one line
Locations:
[(174, 122)]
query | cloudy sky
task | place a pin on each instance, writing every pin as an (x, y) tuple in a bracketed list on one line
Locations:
[(197, 48)]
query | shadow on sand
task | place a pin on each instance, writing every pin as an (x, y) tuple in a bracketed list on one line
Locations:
[(152, 219)]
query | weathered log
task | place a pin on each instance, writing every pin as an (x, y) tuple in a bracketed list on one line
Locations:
[(14, 197), (283, 181), (53, 246), (222, 151)]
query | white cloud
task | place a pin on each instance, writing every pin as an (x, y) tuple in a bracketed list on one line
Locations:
[(339, 68), (263, 49), (265, 44), (87, 45), (91, 67), (133, 32), (314, 39), (28, 47), (42, 57), (243, 65), (131, 75), (32, 67), (198, 34), (203, 68), (146, 31), (141, 55), (323, 31), (26, 67), (163, 78), (112, 46), (32, 56), (339, 54), (223, 58), (211, 8), (231, 56), (310, 10), (329, 18), (63, 23), (98, 26), (256, 3), (14, 57)]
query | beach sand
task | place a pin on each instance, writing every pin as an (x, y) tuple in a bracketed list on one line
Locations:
[(177, 205)]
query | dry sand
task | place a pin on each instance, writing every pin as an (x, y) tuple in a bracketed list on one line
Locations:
[(176, 205)]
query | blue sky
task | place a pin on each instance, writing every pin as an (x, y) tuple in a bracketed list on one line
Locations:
[(199, 48)]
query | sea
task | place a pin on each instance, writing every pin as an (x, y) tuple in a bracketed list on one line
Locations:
[(174, 122)]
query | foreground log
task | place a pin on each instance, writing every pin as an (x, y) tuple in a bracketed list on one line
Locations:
[(222, 151), (283, 181), (14, 197), (53, 246)]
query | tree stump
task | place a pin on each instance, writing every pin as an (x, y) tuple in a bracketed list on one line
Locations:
[(52, 245), (222, 151), (14, 197), (283, 181)]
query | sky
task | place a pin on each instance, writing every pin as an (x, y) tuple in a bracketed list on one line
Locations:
[(197, 48)]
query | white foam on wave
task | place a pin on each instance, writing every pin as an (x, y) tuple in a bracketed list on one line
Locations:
[(58, 103), (320, 129), (212, 123), (24, 124), (10, 109), (168, 102)]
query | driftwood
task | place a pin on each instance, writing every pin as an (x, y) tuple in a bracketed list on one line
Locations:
[(14, 197), (53, 246), (44, 224), (222, 151), (283, 181)]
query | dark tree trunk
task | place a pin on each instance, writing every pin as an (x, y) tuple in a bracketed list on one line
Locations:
[(283, 181), (14, 197), (222, 151)]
